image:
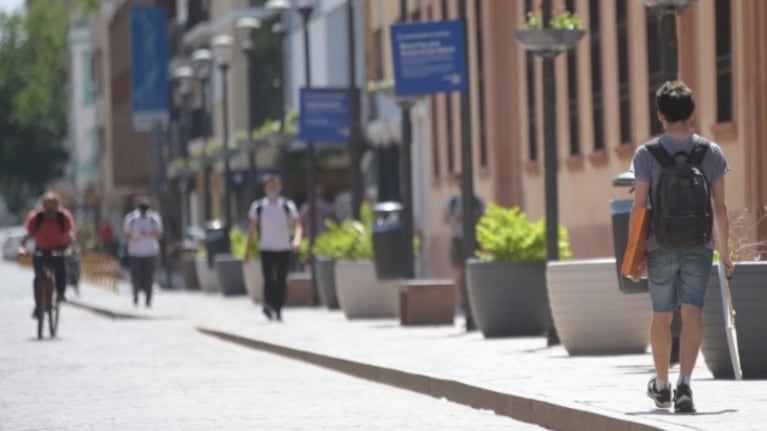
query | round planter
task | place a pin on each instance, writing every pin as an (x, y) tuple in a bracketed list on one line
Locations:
[(326, 282), (254, 280), (749, 298), (229, 271), (591, 315), (206, 276), (361, 295), (508, 298), (548, 42)]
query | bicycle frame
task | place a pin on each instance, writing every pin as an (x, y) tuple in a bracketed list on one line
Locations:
[(44, 286)]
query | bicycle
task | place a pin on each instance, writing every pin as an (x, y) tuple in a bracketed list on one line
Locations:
[(44, 287)]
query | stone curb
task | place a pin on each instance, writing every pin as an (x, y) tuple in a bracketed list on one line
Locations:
[(555, 416), (103, 311)]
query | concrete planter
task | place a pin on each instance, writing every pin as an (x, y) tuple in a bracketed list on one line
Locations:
[(508, 298), (229, 271), (749, 297), (591, 314), (326, 282), (361, 295), (253, 277), (206, 275)]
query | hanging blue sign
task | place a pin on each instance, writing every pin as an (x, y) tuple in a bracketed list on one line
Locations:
[(149, 67), (429, 57), (325, 115)]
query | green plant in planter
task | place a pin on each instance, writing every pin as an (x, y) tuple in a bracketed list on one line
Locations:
[(238, 240), (303, 251), (348, 240), (508, 234), (560, 19)]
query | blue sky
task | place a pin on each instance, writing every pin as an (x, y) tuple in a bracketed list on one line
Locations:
[(10, 5)]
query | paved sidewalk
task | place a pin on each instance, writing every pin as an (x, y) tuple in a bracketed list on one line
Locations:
[(612, 386)]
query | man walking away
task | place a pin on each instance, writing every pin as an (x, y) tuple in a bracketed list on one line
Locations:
[(682, 174), (271, 220), (453, 217), (143, 230)]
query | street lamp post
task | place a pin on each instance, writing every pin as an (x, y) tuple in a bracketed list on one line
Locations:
[(278, 30), (202, 59), (184, 77), (406, 172), (246, 28), (222, 51), (305, 9), (355, 174)]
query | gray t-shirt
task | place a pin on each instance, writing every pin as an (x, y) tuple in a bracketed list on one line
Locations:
[(647, 169)]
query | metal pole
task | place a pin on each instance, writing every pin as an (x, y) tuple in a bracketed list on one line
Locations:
[(250, 52), (550, 152), (279, 32), (186, 209), (406, 172), (468, 208), (355, 174), (225, 148), (311, 173), (206, 132)]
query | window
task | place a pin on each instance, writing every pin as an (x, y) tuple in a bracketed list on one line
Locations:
[(480, 83), (655, 72), (572, 92), (624, 85), (378, 54), (723, 61), (435, 159), (597, 99)]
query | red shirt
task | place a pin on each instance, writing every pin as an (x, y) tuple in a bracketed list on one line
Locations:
[(50, 235)]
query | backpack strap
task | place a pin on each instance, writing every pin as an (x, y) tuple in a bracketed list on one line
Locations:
[(697, 153), (660, 154)]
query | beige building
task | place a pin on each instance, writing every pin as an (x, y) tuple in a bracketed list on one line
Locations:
[(603, 107)]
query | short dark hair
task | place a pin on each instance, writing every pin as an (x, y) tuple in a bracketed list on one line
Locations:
[(270, 178), (675, 101)]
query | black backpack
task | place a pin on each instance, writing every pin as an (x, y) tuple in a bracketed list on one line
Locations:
[(682, 216), (60, 218)]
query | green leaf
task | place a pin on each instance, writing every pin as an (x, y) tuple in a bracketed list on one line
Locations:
[(508, 234)]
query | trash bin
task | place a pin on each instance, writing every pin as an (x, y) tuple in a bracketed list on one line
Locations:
[(388, 242), (216, 240), (621, 212)]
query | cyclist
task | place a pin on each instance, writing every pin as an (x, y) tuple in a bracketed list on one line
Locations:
[(53, 229)]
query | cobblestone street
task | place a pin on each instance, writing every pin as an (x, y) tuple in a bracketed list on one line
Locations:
[(104, 374)]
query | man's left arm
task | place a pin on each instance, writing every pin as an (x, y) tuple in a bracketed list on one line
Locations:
[(295, 222), (71, 227), (158, 225)]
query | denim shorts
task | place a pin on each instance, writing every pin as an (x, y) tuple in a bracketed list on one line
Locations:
[(677, 277)]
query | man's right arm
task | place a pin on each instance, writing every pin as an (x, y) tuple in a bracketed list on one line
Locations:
[(252, 231)]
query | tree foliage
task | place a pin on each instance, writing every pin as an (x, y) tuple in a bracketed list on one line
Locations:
[(33, 97)]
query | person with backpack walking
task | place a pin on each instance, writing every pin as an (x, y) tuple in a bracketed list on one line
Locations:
[(143, 230), (271, 221), (681, 176), (453, 217), (53, 229)]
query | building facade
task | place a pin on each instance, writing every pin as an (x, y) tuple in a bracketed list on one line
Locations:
[(604, 109)]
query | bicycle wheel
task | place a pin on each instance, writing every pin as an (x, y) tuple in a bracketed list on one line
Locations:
[(53, 319)]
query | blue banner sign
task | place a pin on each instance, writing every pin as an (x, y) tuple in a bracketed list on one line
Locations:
[(149, 67), (325, 115), (429, 57)]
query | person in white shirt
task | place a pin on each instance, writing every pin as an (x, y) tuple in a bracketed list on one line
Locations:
[(271, 220), (143, 230)]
